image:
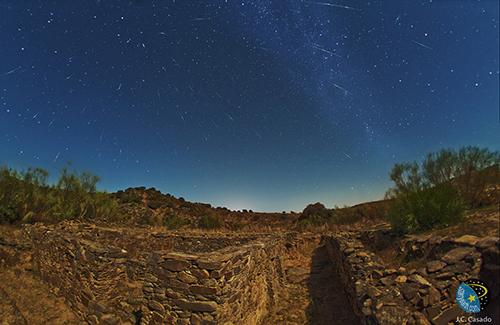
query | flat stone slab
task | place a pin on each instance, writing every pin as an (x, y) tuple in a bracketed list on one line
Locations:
[(419, 280), (486, 242), (467, 240), (434, 266), (208, 306), (181, 256), (457, 254)]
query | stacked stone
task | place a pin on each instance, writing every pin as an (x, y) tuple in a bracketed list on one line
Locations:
[(426, 295), (233, 286), (107, 285)]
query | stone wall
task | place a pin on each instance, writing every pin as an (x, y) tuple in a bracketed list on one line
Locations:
[(142, 279), (125, 277), (425, 295), (345, 272)]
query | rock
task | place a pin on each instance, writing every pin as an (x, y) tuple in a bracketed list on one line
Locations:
[(181, 256), (433, 311), (443, 284), (367, 311), (416, 299), (409, 290), (158, 318), (424, 238), (154, 305), (434, 266), (153, 259), (420, 280), (197, 320), (208, 306), (448, 315), (197, 289), (99, 306), (401, 279), (457, 254), (486, 242), (209, 265), (434, 296), (420, 318), (457, 268), (186, 278), (388, 281), (446, 275), (424, 303), (109, 320), (435, 240), (172, 294), (175, 265), (467, 240)]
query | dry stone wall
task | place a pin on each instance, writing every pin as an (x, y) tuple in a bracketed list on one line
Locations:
[(116, 277), (425, 295), (142, 280)]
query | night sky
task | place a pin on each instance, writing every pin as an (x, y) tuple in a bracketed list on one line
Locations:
[(262, 105)]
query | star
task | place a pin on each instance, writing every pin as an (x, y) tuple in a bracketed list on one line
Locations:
[(472, 298)]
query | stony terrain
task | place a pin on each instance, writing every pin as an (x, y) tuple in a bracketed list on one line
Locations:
[(283, 278)]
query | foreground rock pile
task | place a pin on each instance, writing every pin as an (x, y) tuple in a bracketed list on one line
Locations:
[(425, 295)]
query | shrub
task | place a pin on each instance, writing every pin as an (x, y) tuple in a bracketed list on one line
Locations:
[(316, 209), (211, 221), (471, 171), (426, 209), (154, 205), (26, 197), (174, 222), (313, 219)]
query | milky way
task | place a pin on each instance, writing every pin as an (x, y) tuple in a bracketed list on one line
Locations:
[(259, 105)]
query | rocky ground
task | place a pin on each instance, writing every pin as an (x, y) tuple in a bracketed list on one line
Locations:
[(312, 293)]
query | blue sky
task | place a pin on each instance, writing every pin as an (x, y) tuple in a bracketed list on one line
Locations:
[(251, 104)]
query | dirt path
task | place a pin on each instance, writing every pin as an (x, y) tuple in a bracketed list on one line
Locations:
[(313, 293), (24, 298)]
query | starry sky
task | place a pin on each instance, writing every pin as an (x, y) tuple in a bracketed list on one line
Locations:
[(262, 105)]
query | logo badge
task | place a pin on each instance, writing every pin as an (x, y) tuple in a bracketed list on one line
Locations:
[(473, 295)]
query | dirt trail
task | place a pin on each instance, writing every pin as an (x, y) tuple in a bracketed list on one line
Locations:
[(313, 293), (24, 297)]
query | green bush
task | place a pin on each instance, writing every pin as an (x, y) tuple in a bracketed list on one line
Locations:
[(154, 204), (470, 170), (26, 197), (426, 209), (175, 222), (211, 221), (313, 219)]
